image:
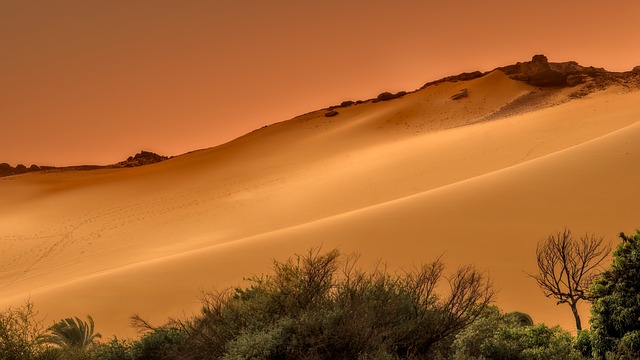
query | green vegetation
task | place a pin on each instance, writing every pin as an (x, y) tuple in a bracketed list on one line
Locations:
[(21, 334), (616, 310), (72, 333), (322, 306), (319, 306), (512, 336)]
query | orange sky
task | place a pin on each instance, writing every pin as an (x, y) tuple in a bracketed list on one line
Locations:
[(96, 81)]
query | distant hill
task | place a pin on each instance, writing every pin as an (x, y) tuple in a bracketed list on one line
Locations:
[(140, 159), (538, 72)]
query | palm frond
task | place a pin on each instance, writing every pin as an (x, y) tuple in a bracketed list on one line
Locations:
[(72, 332)]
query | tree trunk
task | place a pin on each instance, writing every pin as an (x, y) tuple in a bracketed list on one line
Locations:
[(574, 309)]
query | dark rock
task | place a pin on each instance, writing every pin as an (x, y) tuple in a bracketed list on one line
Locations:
[(577, 79), (538, 65), (385, 96), (461, 94), (548, 79), (636, 70), (34, 167), (511, 70), (6, 170), (567, 68), (469, 76), (21, 168), (347, 103), (539, 59), (331, 113), (143, 158), (460, 77), (147, 157), (519, 77), (539, 72)]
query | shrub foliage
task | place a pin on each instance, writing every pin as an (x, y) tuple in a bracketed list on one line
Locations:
[(21, 333), (319, 306), (616, 311), (323, 306)]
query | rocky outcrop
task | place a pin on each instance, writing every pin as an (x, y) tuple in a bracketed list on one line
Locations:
[(460, 77), (460, 94), (8, 170), (576, 79), (537, 72), (636, 70), (542, 73), (386, 96), (143, 158)]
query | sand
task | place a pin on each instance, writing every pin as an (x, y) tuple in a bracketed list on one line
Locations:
[(404, 181)]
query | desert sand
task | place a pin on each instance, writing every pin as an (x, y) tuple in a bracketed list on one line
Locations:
[(405, 181)]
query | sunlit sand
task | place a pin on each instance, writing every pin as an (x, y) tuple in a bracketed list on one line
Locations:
[(476, 180)]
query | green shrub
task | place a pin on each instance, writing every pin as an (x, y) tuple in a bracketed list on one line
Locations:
[(113, 350), (161, 343), (628, 347), (269, 343), (316, 306), (21, 334), (512, 336), (616, 309), (531, 343), (583, 343), (319, 306)]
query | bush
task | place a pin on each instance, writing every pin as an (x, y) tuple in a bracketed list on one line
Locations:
[(318, 306), (113, 350), (531, 342), (21, 334), (616, 308), (583, 343), (512, 336), (161, 343), (269, 343), (629, 346)]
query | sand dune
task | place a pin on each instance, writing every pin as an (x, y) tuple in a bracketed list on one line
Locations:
[(403, 180)]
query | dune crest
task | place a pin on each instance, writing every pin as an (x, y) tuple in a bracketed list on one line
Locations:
[(480, 178)]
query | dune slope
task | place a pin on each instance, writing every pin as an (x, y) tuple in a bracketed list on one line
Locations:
[(404, 180)]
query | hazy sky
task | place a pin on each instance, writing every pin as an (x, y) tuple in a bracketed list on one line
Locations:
[(94, 81)]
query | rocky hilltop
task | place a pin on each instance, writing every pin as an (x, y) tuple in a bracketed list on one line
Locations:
[(540, 72)]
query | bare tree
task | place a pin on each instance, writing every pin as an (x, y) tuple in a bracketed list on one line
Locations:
[(567, 267)]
